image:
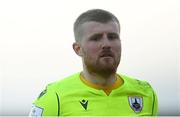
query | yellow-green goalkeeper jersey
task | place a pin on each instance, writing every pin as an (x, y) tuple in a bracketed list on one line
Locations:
[(72, 97)]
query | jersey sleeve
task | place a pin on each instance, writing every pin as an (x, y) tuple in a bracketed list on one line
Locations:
[(154, 100), (155, 105), (47, 104), (153, 96)]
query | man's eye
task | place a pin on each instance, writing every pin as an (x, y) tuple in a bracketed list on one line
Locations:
[(113, 36), (95, 38)]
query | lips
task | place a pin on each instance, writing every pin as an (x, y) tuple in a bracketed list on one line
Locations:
[(106, 54)]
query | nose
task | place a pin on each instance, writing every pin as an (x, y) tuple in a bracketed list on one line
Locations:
[(105, 42)]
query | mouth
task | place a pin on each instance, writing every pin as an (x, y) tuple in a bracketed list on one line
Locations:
[(106, 55)]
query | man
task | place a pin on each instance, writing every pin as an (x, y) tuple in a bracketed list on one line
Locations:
[(98, 90)]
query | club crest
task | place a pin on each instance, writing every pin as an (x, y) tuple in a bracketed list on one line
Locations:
[(136, 103), (36, 111)]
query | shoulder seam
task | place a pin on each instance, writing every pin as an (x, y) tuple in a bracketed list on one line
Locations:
[(58, 104), (153, 103)]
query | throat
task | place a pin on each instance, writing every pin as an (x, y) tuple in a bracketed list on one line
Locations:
[(100, 80), (105, 86)]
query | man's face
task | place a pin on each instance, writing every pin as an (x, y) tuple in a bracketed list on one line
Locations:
[(100, 46)]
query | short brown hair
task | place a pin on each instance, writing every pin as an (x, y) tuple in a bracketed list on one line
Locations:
[(97, 15)]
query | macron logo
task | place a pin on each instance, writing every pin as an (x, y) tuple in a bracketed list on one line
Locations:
[(84, 103)]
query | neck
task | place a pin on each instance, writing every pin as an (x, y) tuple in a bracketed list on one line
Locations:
[(99, 78)]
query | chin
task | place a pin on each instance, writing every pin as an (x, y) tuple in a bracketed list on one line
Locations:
[(107, 69)]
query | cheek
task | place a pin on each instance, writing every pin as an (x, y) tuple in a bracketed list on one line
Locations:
[(91, 49), (117, 48)]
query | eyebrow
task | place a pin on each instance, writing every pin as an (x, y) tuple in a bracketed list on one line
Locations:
[(100, 34), (95, 35), (113, 33)]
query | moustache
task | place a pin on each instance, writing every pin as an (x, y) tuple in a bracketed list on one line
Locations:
[(106, 53)]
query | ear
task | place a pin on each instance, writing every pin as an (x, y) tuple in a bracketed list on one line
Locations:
[(77, 48)]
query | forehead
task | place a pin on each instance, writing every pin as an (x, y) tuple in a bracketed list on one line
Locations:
[(92, 27)]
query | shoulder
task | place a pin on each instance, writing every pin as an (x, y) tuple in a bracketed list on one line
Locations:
[(48, 100), (66, 82), (136, 84), (53, 88), (136, 81)]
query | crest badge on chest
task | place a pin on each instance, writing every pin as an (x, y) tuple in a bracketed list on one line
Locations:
[(136, 103)]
